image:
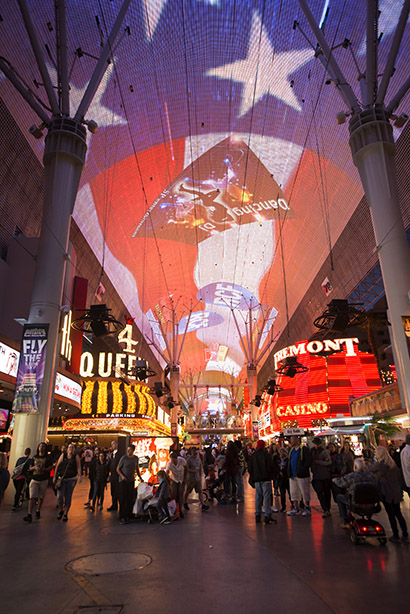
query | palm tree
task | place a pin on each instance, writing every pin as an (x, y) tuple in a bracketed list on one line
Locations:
[(386, 426)]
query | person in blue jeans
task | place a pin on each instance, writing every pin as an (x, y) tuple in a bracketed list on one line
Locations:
[(164, 495), (260, 468)]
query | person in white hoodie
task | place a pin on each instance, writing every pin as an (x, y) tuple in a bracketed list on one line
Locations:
[(405, 463)]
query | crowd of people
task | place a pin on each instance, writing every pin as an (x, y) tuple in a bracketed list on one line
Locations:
[(286, 470)]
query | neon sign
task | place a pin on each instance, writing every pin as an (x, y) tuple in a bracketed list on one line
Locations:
[(314, 347), (66, 346), (109, 364), (302, 409)]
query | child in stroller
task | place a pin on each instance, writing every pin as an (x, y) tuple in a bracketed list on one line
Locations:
[(146, 503)]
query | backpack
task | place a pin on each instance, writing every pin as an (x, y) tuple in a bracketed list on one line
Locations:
[(18, 470)]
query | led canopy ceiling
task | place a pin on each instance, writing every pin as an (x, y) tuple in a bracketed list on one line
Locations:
[(218, 179)]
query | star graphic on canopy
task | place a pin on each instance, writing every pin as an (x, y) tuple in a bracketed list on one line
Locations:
[(152, 15), (96, 111), (271, 70)]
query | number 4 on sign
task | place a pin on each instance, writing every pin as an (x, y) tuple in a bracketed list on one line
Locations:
[(125, 336)]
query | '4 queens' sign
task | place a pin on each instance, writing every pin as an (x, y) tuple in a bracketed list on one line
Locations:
[(110, 364)]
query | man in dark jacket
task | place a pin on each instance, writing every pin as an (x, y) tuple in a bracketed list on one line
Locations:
[(299, 477), (114, 477), (321, 464), (260, 467)]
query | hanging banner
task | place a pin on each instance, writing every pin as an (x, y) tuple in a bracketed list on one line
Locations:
[(31, 369)]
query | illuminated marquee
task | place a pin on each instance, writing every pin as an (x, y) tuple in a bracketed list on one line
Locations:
[(302, 409), (109, 364), (116, 399), (328, 385), (314, 347)]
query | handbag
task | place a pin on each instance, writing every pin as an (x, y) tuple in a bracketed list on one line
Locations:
[(60, 479)]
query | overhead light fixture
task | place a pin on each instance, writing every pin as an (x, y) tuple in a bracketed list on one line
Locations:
[(291, 367), (272, 387), (98, 321), (36, 131), (257, 400), (158, 389), (339, 315), (400, 120), (141, 371)]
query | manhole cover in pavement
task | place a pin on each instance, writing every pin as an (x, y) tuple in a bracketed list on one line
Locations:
[(108, 562)]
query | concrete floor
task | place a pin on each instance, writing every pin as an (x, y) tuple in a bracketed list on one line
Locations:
[(214, 562)]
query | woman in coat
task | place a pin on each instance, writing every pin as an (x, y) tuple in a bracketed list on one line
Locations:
[(389, 478), (69, 469)]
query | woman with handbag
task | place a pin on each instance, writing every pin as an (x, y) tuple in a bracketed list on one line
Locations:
[(67, 472)]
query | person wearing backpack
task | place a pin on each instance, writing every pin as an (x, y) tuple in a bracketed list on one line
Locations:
[(19, 475)]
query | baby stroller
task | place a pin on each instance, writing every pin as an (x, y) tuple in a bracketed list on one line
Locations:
[(365, 501), (145, 505), (145, 502)]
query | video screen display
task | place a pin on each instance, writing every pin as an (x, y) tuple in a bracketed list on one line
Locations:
[(5, 416), (218, 179)]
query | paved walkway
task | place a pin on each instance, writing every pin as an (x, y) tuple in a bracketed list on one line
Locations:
[(214, 562)]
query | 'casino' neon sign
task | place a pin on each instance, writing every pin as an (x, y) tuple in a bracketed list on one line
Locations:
[(314, 347), (302, 409)]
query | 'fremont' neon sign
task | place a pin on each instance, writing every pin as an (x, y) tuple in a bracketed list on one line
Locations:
[(313, 347)]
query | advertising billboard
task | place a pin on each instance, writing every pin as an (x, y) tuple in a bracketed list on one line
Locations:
[(31, 369)]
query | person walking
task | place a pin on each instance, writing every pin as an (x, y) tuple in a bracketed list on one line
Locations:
[(19, 477), (321, 464), (91, 475), (405, 464), (113, 476), (231, 467), (347, 458), (39, 473), (335, 468), (127, 468), (261, 470), (176, 471), (67, 474), (283, 479), (100, 482), (388, 474), (87, 457), (240, 491), (194, 478), (4, 475), (299, 462)]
